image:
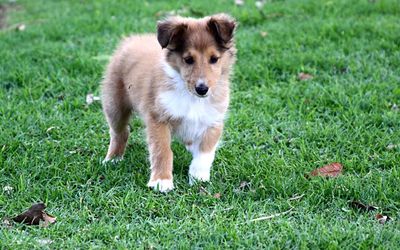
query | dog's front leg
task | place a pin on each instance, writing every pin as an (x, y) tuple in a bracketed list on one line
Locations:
[(203, 153), (159, 142)]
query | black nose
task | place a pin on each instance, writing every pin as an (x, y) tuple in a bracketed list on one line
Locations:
[(201, 89)]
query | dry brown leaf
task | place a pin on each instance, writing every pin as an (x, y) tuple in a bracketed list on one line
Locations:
[(35, 215), (363, 207), (32, 216), (48, 219), (217, 195), (304, 76), (382, 218), (331, 170)]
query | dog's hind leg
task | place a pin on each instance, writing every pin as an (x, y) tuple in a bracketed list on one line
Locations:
[(117, 110)]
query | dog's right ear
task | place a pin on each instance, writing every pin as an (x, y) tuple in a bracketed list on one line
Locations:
[(170, 33)]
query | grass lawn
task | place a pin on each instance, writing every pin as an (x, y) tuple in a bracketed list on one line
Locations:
[(279, 128)]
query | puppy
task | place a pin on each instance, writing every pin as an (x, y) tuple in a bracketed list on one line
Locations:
[(178, 82)]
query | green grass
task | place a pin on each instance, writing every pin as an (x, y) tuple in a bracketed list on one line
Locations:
[(279, 128)]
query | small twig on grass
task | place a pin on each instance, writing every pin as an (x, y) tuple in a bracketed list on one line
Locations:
[(271, 216)]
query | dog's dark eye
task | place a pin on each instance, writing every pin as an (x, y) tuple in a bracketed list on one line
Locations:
[(189, 60), (213, 59)]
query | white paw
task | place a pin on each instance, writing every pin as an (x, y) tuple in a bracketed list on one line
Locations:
[(161, 185), (198, 175), (114, 160)]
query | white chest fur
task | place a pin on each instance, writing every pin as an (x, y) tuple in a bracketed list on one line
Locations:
[(196, 114)]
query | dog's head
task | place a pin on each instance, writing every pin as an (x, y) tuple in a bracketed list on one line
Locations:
[(200, 50)]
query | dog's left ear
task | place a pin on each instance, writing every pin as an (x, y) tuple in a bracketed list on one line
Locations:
[(222, 26)]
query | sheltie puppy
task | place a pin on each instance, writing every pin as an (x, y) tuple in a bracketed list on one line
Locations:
[(177, 81)]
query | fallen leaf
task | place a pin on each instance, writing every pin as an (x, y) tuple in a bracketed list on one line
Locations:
[(239, 2), (32, 216), (331, 170), (217, 195), (363, 207), (263, 33), (382, 218), (35, 215), (304, 76), (48, 219), (90, 98)]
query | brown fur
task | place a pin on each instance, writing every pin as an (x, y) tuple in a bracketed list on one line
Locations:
[(135, 78), (211, 138)]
